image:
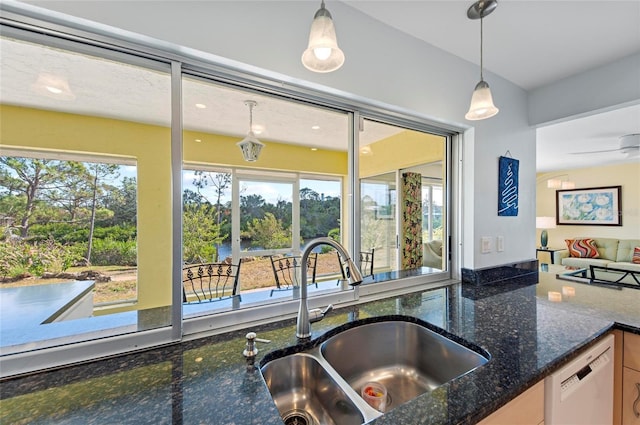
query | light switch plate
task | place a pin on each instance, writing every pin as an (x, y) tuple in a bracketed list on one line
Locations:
[(485, 244), (500, 243)]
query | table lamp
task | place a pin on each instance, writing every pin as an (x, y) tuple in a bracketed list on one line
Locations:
[(545, 223)]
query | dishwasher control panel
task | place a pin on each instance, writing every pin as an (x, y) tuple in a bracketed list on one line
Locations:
[(581, 392), (570, 383)]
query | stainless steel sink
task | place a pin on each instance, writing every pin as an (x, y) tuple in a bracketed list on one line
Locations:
[(305, 393), (408, 359), (322, 384)]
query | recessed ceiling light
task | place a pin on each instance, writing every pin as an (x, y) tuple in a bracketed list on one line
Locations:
[(257, 128), (314, 149), (53, 86), (201, 105), (315, 127), (198, 140)]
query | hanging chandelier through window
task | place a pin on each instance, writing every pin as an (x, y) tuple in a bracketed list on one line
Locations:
[(250, 145)]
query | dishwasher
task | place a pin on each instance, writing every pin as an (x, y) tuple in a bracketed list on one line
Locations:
[(581, 392)]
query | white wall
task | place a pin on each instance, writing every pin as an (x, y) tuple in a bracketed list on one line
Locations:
[(382, 64), (609, 86)]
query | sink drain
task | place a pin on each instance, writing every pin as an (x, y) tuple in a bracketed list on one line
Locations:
[(298, 417)]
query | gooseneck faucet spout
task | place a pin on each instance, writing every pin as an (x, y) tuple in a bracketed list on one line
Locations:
[(305, 316)]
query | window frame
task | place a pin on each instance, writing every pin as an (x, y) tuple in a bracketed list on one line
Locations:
[(25, 23)]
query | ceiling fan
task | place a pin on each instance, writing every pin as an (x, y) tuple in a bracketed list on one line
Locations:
[(629, 144)]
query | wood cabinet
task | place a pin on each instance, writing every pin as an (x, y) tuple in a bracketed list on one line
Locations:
[(526, 409), (631, 379)]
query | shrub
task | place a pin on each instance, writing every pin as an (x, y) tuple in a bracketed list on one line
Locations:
[(107, 252), (19, 258), (70, 233)]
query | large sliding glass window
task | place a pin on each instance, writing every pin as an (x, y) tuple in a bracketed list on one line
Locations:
[(85, 201), (110, 169)]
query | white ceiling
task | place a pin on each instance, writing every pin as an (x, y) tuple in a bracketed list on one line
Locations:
[(530, 43), (121, 91)]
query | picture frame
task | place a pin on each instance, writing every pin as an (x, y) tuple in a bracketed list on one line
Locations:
[(594, 206)]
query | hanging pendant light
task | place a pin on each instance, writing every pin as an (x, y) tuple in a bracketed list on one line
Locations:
[(250, 145), (482, 106), (323, 53)]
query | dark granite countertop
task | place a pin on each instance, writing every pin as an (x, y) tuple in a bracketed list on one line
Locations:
[(205, 381)]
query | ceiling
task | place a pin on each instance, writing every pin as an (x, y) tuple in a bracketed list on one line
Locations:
[(532, 44), (578, 35), (123, 91)]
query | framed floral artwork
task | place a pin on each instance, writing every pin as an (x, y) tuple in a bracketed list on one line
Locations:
[(599, 206)]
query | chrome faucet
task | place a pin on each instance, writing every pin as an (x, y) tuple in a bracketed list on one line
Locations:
[(306, 316)]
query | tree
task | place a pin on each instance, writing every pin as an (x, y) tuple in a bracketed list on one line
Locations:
[(99, 171), (123, 202), (28, 177), (201, 235), (251, 207), (268, 233), (71, 192), (220, 183)]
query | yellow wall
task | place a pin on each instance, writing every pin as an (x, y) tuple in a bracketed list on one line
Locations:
[(222, 150), (31, 129), (625, 175), (403, 150)]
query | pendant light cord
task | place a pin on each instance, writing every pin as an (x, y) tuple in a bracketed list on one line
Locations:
[(481, 64)]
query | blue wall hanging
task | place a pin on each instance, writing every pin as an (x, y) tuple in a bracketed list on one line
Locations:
[(508, 186)]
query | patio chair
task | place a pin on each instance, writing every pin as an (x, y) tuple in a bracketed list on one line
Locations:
[(366, 262), (210, 282), (285, 270)]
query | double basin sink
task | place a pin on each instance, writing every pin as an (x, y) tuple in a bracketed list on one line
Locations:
[(321, 382)]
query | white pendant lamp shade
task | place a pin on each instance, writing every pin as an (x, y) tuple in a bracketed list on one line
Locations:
[(481, 103), (250, 145), (323, 53), (482, 106)]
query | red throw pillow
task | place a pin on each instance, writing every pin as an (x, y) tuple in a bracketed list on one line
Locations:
[(582, 248), (636, 255)]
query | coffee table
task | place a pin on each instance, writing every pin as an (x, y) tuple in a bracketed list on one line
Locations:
[(610, 275), (579, 274)]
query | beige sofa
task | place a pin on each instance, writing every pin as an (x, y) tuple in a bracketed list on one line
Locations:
[(614, 253), (432, 254)]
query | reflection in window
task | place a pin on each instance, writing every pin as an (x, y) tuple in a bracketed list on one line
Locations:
[(378, 220), (401, 195)]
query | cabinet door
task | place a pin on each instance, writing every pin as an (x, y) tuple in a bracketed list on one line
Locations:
[(630, 397), (632, 350), (526, 409)]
